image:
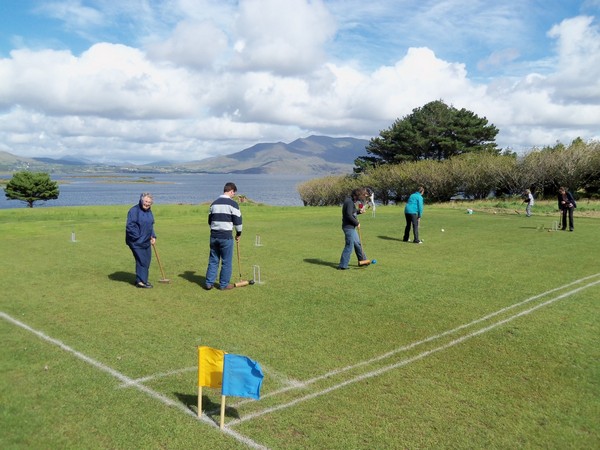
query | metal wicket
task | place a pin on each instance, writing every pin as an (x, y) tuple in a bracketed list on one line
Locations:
[(256, 274), (257, 242)]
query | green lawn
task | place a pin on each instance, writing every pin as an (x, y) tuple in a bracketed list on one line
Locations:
[(485, 336)]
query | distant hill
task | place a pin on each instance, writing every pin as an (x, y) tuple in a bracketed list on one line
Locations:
[(314, 155), (10, 162)]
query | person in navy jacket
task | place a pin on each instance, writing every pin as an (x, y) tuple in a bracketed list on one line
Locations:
[(566, 205), (139, 236)]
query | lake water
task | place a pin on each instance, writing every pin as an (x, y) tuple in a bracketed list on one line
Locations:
[(125, 189)]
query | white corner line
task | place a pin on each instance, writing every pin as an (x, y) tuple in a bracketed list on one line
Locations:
[(158, 375), (131, 382)]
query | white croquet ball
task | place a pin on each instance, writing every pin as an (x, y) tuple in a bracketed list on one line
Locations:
[(442, 230)]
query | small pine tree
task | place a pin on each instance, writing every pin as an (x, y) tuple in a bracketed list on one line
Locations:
[(30, 187)]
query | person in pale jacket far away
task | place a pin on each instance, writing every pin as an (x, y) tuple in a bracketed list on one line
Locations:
[(139, 237), (528, 198), (413, 212)]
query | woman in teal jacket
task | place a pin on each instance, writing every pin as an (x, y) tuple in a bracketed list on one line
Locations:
[(413, 212)]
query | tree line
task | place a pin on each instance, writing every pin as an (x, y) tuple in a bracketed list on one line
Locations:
[(475, 175)]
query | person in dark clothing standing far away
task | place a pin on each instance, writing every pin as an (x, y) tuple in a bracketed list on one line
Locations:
[(413, 212), (224, 215), (349, 225), (566, 205), (139, 236)]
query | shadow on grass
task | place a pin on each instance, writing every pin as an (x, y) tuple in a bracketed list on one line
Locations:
[(320, 262), (210, 408), (388, 238), (193, 278), (124, 277)]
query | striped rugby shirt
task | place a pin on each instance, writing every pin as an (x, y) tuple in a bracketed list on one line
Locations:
[(223, 216)]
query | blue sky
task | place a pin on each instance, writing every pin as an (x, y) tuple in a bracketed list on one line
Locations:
[(146, 80)]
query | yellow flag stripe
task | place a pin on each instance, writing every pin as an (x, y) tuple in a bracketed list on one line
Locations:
[(210, 367)]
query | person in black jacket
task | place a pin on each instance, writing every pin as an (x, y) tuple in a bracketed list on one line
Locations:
[(349, 225), (139, 236), (566, 205)]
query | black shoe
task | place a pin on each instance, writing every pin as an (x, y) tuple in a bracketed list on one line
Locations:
[(149, 286), (343, 268), (208, 287), (142, 285)]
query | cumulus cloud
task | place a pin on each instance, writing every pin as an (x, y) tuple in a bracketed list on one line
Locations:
[(107, 80), (196, 45), (578, 71), (283, 37)]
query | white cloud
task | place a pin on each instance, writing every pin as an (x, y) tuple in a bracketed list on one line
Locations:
[(283, 37), (577, 77), (216, 77), (192, 44), (107, 80), (72, 13)]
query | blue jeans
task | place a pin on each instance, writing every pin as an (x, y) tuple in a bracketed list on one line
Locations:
[(220, 250), (351, 242)]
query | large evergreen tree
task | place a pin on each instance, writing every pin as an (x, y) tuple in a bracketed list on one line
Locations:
[(30, 187), (434, 131)]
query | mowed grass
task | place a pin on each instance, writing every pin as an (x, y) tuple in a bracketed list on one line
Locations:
[(448, 344)]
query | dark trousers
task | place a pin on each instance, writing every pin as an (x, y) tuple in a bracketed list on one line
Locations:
[(568, 211), (411, 220), (142, 256)]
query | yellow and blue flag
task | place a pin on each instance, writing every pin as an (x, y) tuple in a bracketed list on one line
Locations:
[(242, 377)]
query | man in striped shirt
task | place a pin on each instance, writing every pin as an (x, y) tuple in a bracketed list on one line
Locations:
[(224, 216)]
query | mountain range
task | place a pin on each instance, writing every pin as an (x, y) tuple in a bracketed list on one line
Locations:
[(314, 155)]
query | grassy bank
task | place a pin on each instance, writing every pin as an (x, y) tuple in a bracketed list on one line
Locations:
[(484, 336)]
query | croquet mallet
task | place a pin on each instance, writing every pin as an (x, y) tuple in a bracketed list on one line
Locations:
[(240, 283), (163, 280), (363, 262)]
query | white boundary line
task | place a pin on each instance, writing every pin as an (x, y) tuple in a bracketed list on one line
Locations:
[(131, 382), (405, 348), (159, 375), (418, 357)]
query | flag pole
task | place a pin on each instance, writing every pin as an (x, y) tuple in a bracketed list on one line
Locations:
[(199, 386), (222, 411), (199, 401)]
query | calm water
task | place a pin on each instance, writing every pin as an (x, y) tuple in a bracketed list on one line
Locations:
[(124, 189)]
